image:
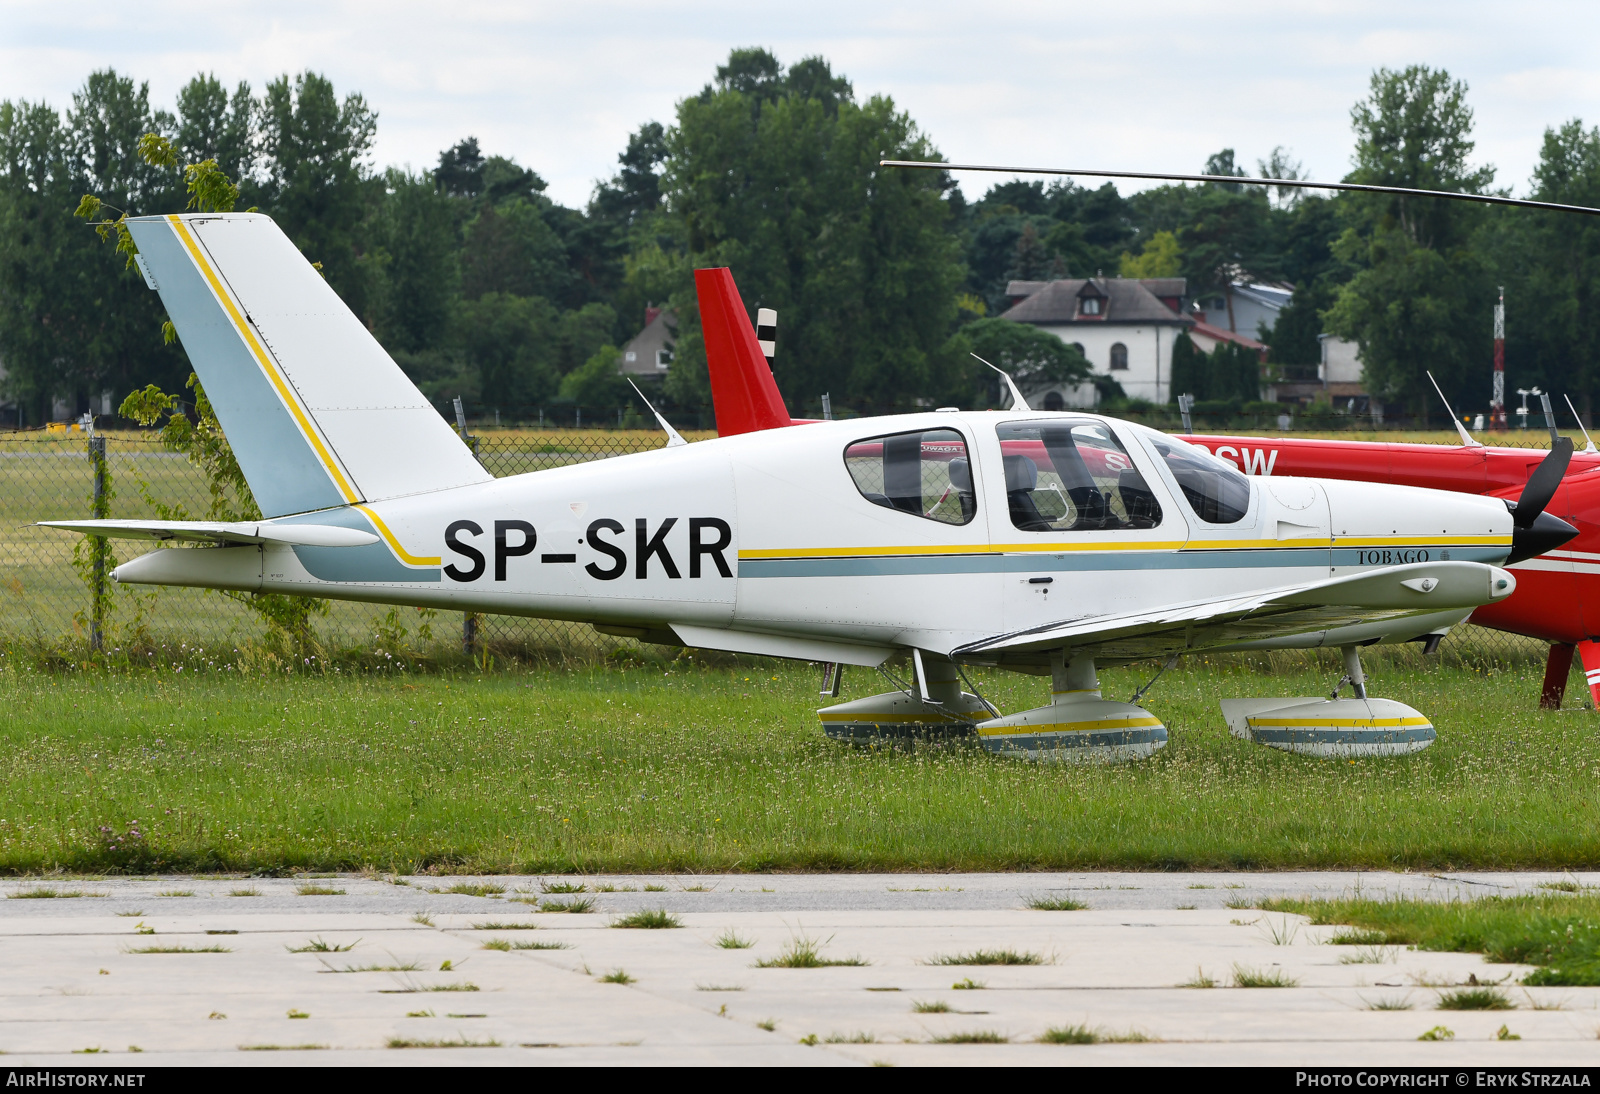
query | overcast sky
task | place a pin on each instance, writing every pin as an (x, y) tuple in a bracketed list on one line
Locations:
[(1140, 84)]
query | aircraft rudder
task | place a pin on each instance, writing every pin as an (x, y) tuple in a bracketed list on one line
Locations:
[(744, 394), (285, 472)]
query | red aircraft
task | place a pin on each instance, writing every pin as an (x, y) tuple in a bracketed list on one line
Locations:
[(1558, 593)]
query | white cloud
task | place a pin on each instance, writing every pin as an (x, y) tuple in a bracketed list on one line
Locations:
[(1148, 85)]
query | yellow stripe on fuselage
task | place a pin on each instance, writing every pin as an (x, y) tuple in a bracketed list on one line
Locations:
[(274, 375), (394, 541), (1392, 542)]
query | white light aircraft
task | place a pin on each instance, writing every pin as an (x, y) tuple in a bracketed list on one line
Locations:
[(1047, 543)]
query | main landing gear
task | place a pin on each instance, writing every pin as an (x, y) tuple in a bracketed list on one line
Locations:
[(1358, 726), (933, 708), (1077, 726)]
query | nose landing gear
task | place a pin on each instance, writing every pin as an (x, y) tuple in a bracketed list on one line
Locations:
[(1359, 726)]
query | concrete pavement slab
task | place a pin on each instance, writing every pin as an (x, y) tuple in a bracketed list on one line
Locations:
[(392, 962)]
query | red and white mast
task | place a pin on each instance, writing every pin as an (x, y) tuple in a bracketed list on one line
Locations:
[(1497, 403)]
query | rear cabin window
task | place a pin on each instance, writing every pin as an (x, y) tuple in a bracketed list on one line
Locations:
[(926, 474), (1213, 487), (1072, 476)]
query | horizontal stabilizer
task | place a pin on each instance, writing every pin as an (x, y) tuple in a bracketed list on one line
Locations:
[(219, 531), (1394, 592)]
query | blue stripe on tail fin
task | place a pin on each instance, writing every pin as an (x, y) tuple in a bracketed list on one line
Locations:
[(317, 413)]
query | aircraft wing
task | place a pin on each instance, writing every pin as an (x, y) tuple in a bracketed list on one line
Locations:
[(219, 531), (1394, 592)]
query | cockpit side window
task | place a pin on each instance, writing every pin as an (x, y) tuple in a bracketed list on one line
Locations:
[(926, 474), (1214, 488), (1072, 475)]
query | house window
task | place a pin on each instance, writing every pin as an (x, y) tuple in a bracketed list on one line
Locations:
[(1089, 305), (1079, 347), (630, 357), (663, 358), (1053, 401), (1119, 357)]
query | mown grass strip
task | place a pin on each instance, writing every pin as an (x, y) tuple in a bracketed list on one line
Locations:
[(673, 766), (1559, 933)]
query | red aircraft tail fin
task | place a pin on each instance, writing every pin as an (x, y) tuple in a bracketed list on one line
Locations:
[(743, 392)]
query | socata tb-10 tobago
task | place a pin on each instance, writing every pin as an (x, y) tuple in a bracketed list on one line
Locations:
[(1044, 543)]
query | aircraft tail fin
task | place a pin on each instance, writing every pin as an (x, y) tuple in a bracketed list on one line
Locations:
[(315, 410), (743, 392)]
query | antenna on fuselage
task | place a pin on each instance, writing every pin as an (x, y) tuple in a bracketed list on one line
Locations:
[(674, 438), (1589, 442), (1466, 438), (1018, 402)]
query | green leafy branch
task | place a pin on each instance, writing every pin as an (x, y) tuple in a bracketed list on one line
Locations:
[(210, 191), (203, 443)]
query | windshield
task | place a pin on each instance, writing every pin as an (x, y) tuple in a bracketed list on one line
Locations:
[(1072, 475), (1214, 488)]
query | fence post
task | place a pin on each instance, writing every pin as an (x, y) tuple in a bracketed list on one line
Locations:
[(469, 633), (101, 510)]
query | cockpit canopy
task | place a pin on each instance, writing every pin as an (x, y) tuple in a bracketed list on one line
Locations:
[(1071, 475), (1062, 474)]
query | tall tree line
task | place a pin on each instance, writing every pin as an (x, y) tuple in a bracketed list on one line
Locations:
[(483, 287)]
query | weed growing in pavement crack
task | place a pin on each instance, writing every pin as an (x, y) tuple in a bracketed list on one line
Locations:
[(649, 919), (805, 953)]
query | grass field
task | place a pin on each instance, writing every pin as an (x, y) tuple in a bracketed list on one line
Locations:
[(681, 766), (1559, 931)]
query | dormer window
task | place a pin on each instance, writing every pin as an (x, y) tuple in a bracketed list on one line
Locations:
[(1091, 301)]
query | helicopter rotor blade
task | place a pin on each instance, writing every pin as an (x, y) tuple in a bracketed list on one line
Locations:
[(1243, 180)]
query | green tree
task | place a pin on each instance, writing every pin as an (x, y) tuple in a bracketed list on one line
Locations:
[(776, 175), (1035, 359), (1190, 372), (596, 384), (201, 440), (74, 322), (1235, 373), (1160, 257), (314, 149), (513, 346), (1227, 236), (214, 126), (1550, 264), (1414, 130), (511, 248), (415, 239), (1419, 300)]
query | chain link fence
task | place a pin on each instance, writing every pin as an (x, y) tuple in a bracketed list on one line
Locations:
[(47, 576)]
